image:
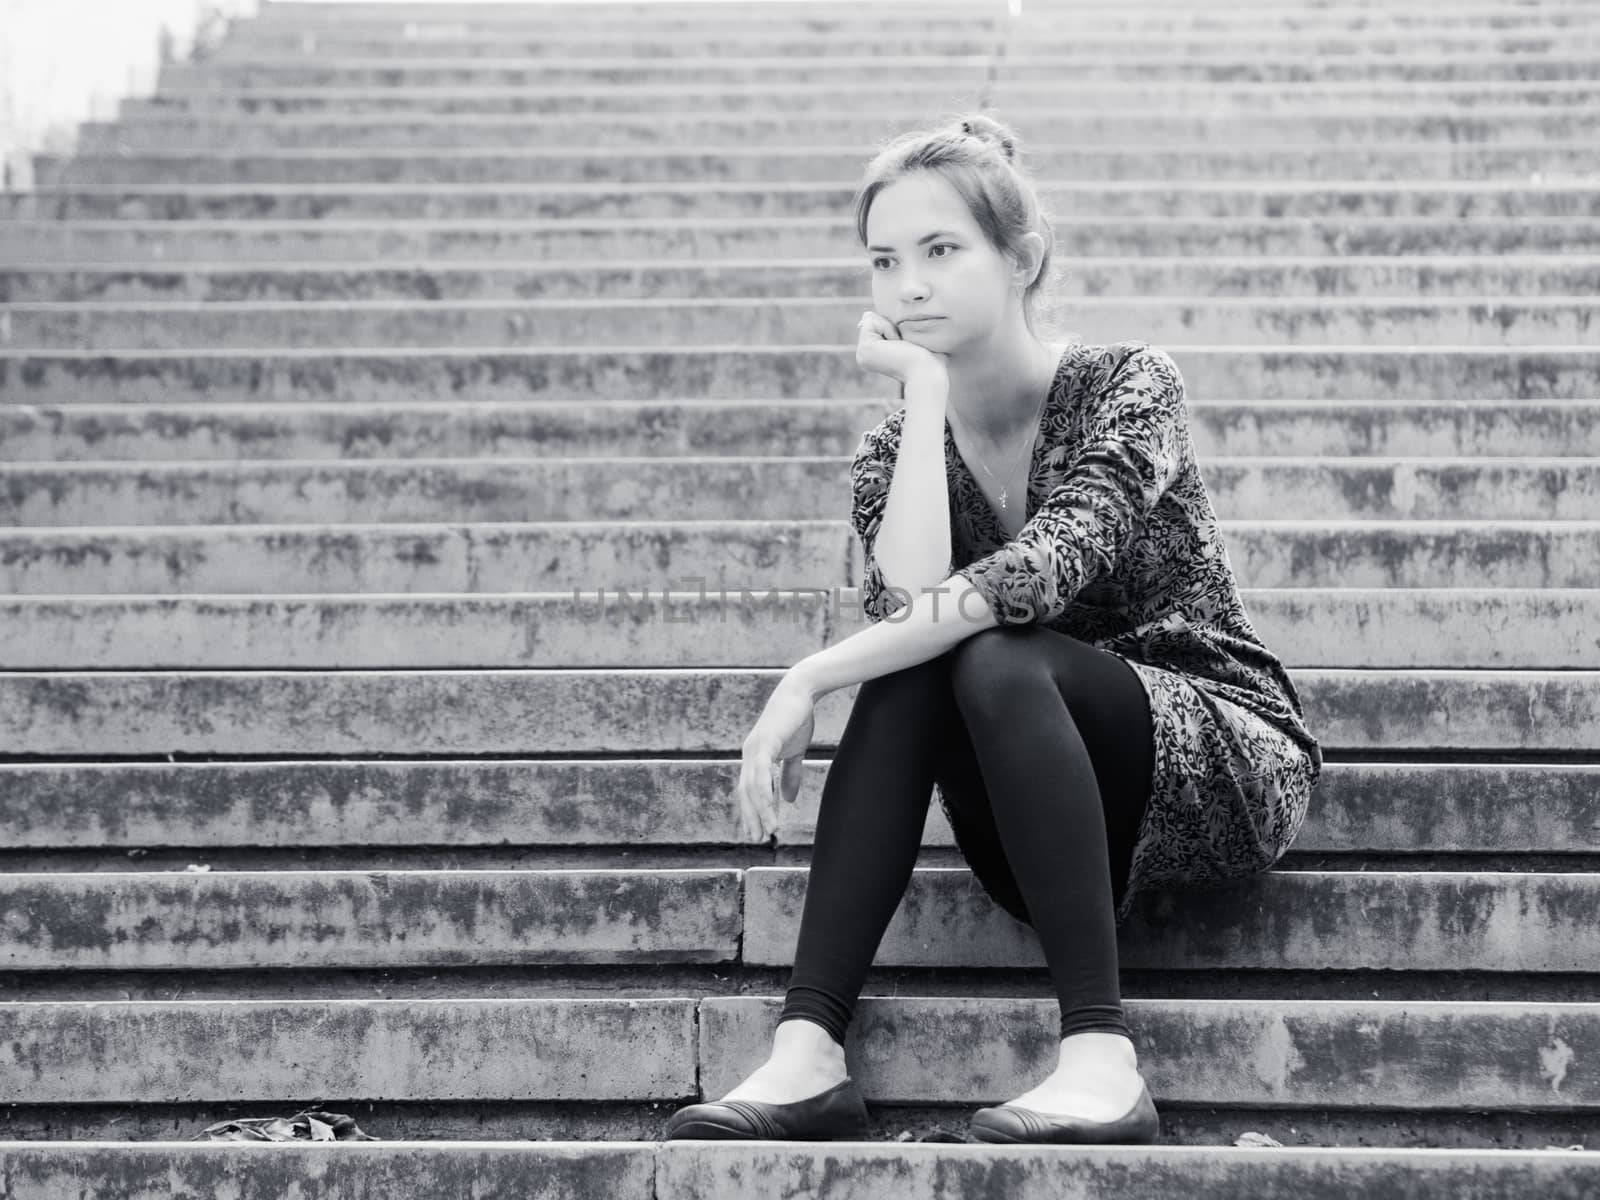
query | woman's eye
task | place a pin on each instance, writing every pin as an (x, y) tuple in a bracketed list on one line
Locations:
[(935, 246)]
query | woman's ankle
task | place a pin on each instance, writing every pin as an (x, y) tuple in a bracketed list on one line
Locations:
[(800, 1039), (1099, 1045)]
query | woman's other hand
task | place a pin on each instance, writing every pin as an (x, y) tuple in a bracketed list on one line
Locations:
[(880, 348), (774, 757)]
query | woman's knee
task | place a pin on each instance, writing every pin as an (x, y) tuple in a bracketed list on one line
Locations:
[(989, 666), (913, 685)]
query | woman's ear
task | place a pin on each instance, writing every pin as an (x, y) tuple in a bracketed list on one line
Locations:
[(1033, 256)]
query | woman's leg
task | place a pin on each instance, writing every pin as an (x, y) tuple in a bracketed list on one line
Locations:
[(869, 830), (908, 727), (1061, 731)]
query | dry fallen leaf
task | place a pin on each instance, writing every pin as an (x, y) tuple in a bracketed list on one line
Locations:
[(1256, 1139)]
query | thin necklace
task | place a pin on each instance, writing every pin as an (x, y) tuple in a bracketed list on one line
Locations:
[(1028, 442)]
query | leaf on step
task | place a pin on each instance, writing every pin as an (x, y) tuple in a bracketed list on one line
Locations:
[(302, 1127), (1256, 1139)]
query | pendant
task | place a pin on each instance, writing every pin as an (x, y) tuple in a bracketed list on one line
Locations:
[(1002, 497)]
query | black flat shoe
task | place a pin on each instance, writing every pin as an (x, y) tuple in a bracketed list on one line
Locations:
[(839, 1113), (1008, 1123)]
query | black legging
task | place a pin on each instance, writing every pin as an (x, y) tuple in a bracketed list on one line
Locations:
[(1042, 746)]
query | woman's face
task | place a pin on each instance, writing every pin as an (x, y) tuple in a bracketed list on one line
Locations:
[(954, 274)]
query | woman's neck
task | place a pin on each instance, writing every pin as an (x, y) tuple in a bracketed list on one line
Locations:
[(996, 402)]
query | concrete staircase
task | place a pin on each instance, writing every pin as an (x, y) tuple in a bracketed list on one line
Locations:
[(338, 376)]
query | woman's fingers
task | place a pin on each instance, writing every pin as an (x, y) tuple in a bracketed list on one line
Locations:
[(789, 782), (747, 811), (755, 795)]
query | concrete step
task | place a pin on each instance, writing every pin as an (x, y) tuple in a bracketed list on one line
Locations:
[(700, 239), (1522, 923), (659, 25), (651, 13), (598, 627), (726, 40), (609, 428), (792, 319), (468, 813), (494, 14), (563, 556), (1485, 200), (1064, 34), (510, 557), (1293, 1055), (1337, 128), (1265, 161), (656, 711), (724, 44), (907, 95), (685, 488), (1371, 277), (1021, 66), (960, 70), (746, 372), (655, 1170)]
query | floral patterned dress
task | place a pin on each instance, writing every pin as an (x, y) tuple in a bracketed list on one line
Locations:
[(1122, 549)]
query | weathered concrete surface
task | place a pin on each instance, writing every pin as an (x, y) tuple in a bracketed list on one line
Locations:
[(596, 627), (698, 488), (493, 16), (513, 557), (736, 1170), (1019, 66), (748, 373), (611, 802), (424, 490), (1371, 807), (891, 95), (730, 40), (667, 710), (260, 919), (1415, 1055), (1522, 321), (1219, 96), (1281, 920), (435, 132), (631, 1049), (1372, 275), (1277, 921), (1042, 31), (1025, 1172), (599, 429), (1277, 161), (1379, 554), (1295, 1054), (134, 240), (563, 556), (579, 1170), (1285, 199), (1069, 40)]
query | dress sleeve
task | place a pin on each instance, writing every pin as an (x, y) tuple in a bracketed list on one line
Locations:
[(1132, 450), (871, 471)]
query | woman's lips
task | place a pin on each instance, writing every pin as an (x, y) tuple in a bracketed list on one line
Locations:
[(920, 320)]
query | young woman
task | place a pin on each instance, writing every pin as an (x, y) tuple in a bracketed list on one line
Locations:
[(1084, 693)]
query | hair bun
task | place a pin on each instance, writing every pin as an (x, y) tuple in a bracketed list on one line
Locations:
[(988, 130)]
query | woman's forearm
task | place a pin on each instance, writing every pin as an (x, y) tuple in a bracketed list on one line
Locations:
[(913, 542), (935, 620)]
